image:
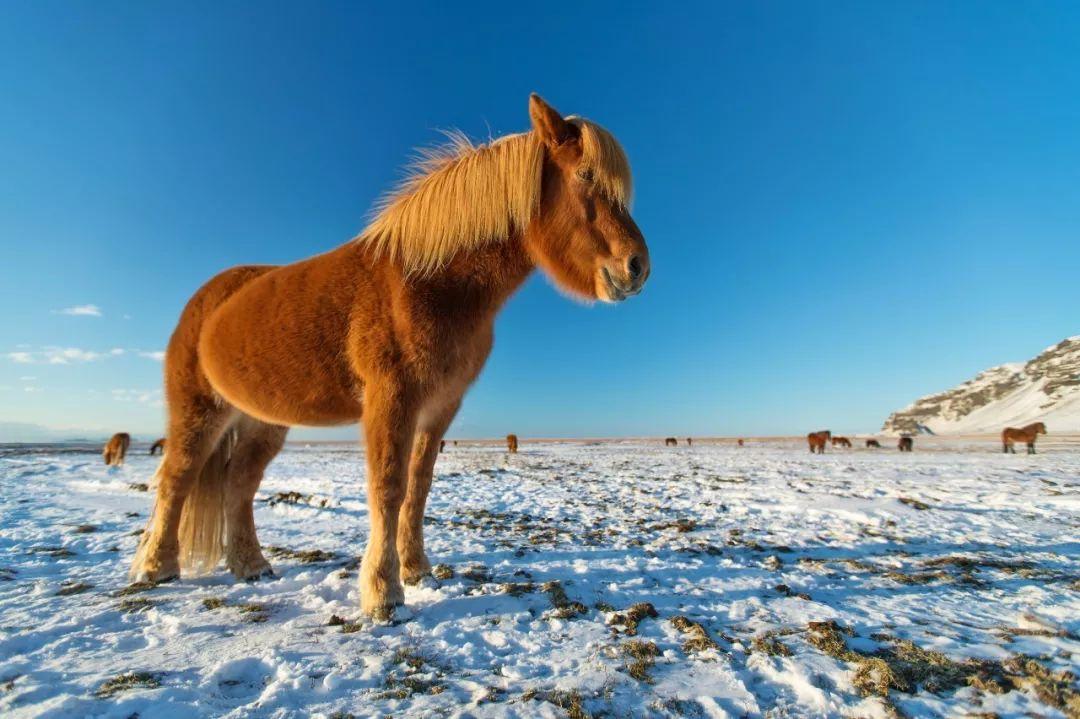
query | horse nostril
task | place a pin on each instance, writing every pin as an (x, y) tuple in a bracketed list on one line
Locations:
[(633, 268)]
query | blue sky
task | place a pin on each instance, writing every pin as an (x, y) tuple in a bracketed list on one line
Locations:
[(848, 205)]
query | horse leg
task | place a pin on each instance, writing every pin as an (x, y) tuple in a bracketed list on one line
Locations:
[(389, 425), (198, 424), (256, 446), (1031, 448), (410, 534)]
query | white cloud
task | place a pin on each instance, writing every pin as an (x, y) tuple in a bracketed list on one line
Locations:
[(116, 351), (158, 355), (75, 355), (21, 357), (68, 355), (82, 311), (151, 397)]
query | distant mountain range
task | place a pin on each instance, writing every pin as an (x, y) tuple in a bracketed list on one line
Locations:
[(1044, 389), (25, 432)]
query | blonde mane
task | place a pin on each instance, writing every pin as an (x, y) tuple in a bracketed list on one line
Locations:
[(462, 196)]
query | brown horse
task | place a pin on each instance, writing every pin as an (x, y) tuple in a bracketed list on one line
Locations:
[(740, 443), (1027, 435), (158, 445), (392, 328), (689, 441), (817, 441), (671, 442), (906, 444), (116, 449), (873, 443), (442, 446), (841, 441), (512, 443)]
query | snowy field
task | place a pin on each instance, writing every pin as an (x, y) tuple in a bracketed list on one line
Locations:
[(616, 580)]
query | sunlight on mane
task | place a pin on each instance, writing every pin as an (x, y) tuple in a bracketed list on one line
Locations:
[(461, 196)]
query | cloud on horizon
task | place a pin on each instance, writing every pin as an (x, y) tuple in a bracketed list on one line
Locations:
[(74, 355), (81, 311)]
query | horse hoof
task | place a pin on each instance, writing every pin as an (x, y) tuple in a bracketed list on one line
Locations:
[(145, 577), (267, 573)]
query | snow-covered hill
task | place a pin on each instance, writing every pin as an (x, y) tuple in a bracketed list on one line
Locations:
[(1045, 389)]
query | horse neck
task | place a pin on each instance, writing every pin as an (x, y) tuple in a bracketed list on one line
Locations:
[(478, 280)]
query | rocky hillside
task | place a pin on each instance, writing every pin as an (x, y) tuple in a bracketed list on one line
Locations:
[(1046, 388)]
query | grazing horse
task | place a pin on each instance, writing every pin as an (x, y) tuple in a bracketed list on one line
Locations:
[(158, 445), (740, 443), (873, 443), (842, 441), (116, 449), (671, 442), (817, 441), (1027, 435), (906, 444), (512, 443), (390, 328)]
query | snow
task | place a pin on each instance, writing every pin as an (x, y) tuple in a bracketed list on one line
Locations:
[(1021, 407), (709, 533)]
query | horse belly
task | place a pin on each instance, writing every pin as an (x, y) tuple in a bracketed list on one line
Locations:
[(280, 361)]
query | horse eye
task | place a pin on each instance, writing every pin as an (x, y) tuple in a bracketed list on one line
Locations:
[(584, 174)]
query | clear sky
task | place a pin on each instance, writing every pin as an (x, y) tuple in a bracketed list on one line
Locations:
[(848, 205)]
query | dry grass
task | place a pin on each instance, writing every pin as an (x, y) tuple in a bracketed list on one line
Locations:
[(697, 638), (70, 588), (307, 556), (564, 608), (640, 657), (125, 682), (632, 616), (442, 572)]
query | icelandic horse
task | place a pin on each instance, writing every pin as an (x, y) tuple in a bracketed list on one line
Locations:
[(873, 443), (116, 449), (391, 329), (671, 442), (817, 441), (158, 445), (841, 441), (1027, 435), (511, 443), (905, 444)]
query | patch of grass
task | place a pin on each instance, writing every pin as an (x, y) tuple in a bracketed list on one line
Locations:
[(516, 589), (767, 643), (914, 503), (633, 616), (491, 694), (139, 487), (69, 588), (640, 657), (1058, 689), (288, 498), (8, 683), (52, 551), (254, 613), (918, 577), (85, 529), (442, 572), (307, 556), (569, 701), (697, 638), (7, 574), (564, 608), (212, 603), (125, 682), (477, 573), (351, 627), (135, 588), (134, 605), (679, 525)]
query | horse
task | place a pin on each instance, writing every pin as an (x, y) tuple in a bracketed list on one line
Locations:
[(906, 444), (842, 441), (442, 446), (158, 445), (817, 441), (671, 442), (1027, 435), (390, 329), (512, 443), (873, 443), (689, 441), (740, 443), (116, 449)]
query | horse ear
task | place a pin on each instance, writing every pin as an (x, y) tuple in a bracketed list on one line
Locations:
[(548, 124)]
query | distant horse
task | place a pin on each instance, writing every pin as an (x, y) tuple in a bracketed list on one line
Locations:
[(671, 442), (158, 445), (740, 443), (1027, 435), (817, 441), (116, 449), (873, 443), (906, 444), (512, 443), (689, 441), (842, 441), (442, 446), (390, 328)]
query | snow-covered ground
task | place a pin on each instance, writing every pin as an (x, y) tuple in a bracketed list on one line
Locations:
[(940, 583)]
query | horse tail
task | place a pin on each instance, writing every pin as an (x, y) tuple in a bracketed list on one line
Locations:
[(202, 519)]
